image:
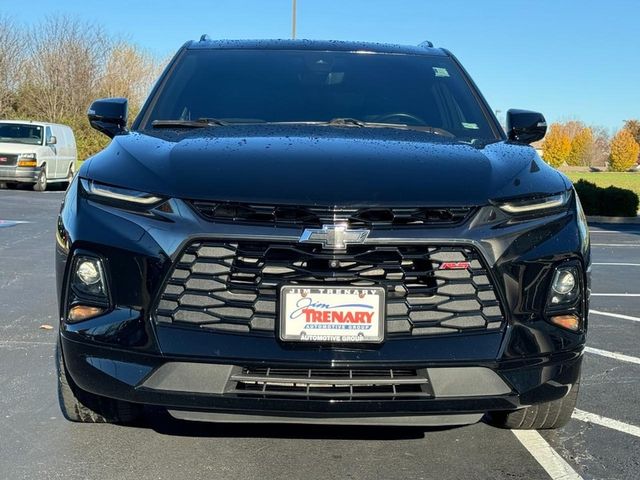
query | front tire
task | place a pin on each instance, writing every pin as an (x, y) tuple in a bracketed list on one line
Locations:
[(78, 405), (41, 182), (542, 416)]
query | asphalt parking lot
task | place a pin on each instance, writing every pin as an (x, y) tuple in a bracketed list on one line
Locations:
[(601, 442)]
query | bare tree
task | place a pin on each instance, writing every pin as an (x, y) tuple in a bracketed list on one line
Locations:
[(62, 65), (10, 58), (63, 68), (599, 154), (130, 73), (573, 127)]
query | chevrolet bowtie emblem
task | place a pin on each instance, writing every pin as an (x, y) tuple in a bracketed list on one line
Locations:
[(335, 237)]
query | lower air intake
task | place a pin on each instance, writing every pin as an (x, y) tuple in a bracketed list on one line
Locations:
[(329, 384)]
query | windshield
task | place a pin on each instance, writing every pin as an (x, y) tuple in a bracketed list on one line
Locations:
[(253, 86), (20, 133)]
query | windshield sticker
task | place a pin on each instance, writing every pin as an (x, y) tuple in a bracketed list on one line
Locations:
[(470, 126), (440, 72)]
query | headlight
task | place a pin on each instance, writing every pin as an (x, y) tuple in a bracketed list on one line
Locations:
[(89, 272), (88, 277), (533, 205), (117, 194), (563, 307), (89, 294), (565, 286)]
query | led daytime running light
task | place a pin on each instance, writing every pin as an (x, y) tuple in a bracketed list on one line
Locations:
[(546, 203), (119, 194)]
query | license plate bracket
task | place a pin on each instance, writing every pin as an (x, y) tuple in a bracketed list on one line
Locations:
[(337, 314)]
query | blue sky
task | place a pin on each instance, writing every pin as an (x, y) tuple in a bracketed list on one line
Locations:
[(566, 58)]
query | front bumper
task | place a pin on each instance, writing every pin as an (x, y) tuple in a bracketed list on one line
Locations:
[(460, 393), (19, 174)]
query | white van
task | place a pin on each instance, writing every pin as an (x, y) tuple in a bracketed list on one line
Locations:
[(36, 153)]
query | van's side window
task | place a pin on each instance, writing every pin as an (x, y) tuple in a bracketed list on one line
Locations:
[(47, 136)]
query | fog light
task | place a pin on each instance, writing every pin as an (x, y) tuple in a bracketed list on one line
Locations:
[(570, 322), (83, 312), (89, 277), (565, 286)]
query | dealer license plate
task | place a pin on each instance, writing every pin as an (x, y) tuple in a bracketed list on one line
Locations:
[(332, 315)]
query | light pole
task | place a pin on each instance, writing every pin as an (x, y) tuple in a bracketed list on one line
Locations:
[(498, 112), (293, 20)]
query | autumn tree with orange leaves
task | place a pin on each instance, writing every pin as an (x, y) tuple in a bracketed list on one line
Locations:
[(556, 146), (624, 151), (582, 145)]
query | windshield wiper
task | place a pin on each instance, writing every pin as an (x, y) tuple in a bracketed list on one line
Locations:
[(347, 121), (199, 123)]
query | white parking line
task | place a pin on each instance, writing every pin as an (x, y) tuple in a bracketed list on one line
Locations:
[(12, 343), (614, 355), (615, 245), (556, 466), (617, 264), (615, 294), (614, 315), (606, 422), (11, 223)]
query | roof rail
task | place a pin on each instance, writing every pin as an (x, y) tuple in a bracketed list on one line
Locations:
[(204, 38), (426, 44)]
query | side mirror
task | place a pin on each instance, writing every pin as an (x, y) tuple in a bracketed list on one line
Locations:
[(109, 116), (52, 140), (525, 126)]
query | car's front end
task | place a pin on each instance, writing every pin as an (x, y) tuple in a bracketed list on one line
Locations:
[(18, 168), (187, 316), (320, 273)]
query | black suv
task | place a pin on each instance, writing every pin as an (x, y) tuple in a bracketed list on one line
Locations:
[(320, 232)]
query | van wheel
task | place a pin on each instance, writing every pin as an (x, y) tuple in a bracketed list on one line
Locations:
[(543, 416), (78, 405), (41, 182)]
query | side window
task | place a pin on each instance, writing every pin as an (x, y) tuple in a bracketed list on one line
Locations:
[(47, 135)]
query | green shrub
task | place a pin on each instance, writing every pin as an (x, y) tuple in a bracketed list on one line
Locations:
[(589, 196), (621, 202), (610, 201)]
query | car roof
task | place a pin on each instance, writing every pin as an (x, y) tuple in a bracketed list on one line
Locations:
[(321, 45)]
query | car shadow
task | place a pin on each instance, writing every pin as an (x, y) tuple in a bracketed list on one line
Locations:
[(163, 423)]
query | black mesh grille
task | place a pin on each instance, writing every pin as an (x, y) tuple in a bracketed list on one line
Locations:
[(234, 286), (318, 216), (339, 384)]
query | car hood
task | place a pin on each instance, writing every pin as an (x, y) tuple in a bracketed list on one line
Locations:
[(15, 148), (321, 165)]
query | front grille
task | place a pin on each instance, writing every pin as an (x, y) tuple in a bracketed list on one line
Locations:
[(330, 384), (317, 216), (234, 286), (8, 160)]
